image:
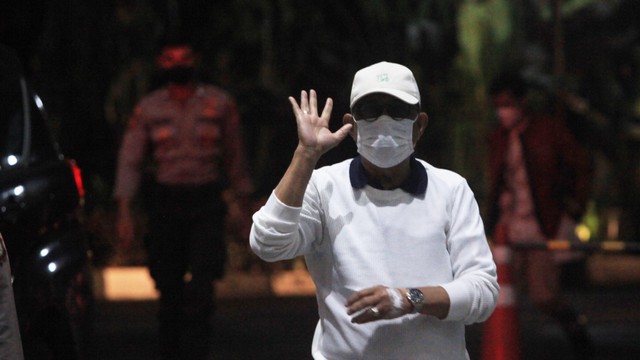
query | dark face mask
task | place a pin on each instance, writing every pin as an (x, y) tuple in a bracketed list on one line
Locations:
[(179, 74)]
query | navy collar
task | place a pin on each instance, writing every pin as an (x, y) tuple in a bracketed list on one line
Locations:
[(416, 183)]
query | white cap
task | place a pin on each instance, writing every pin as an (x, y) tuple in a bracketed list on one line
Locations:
[(388, 78)]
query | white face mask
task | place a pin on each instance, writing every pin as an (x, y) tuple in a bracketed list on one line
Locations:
[(385, 142)]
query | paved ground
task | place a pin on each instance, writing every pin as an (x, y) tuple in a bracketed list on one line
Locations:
[(276, 327), (256, 328)]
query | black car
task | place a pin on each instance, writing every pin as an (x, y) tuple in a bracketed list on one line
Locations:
[(41, 197)]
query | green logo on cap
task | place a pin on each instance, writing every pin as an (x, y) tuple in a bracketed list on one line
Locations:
[(383, 77)]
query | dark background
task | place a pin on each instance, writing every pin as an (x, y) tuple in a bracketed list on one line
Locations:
[(91, 61)]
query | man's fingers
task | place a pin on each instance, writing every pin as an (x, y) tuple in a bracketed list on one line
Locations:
[(343, 131), (297, 111), (328, 107), (313, 102), (304, 102)]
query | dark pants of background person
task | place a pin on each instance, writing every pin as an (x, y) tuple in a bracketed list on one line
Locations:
[(186, 252)]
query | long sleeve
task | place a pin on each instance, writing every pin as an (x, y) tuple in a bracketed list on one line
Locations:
[(579, 173), (282, 232), (130, 157), (474, 290)]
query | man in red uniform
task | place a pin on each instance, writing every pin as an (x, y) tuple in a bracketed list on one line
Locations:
[(193, 133), (539, 186)]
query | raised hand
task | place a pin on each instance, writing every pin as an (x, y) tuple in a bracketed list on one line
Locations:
[(314, 134)]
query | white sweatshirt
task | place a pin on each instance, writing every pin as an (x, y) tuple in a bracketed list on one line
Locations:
[(358, 238)]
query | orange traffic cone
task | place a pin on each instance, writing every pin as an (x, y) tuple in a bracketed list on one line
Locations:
[(501, 332)]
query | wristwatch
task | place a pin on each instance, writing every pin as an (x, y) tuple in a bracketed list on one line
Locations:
[(416, 299)]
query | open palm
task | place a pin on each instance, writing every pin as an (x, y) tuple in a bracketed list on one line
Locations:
[(313, 128)]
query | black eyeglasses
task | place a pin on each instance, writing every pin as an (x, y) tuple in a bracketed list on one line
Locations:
[(398, 110)]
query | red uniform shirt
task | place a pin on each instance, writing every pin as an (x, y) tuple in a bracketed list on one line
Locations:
[(193, 143)]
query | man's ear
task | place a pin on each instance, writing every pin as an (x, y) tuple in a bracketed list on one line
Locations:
[(420, 126), (348, 119), (424, 120)]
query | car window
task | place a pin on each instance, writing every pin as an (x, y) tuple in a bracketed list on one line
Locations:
[(43, 146), (25, 137)]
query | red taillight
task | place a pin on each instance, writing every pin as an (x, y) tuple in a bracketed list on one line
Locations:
[(77, 176)]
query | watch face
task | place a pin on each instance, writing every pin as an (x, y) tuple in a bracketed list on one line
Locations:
[(415, 296)]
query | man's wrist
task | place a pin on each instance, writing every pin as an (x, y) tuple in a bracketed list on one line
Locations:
[(307, 153), (415, 297)]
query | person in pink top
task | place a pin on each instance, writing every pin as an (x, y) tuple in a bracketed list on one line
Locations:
[(539, 185), (192, 132)]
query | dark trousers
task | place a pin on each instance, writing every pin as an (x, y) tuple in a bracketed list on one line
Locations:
[(186, 252)]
